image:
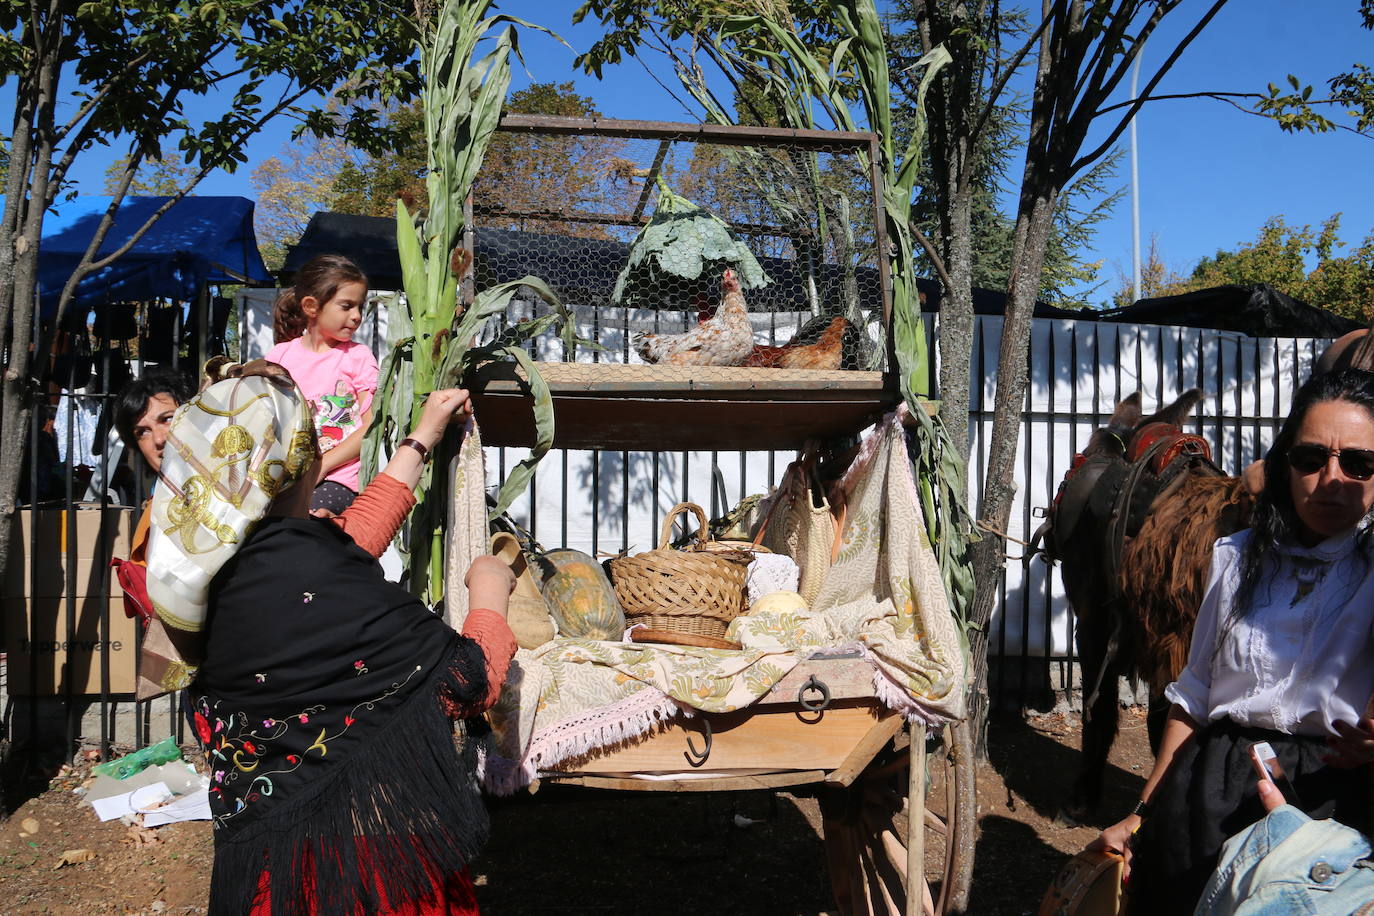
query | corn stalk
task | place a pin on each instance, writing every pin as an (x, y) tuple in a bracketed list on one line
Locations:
[(432, 338)]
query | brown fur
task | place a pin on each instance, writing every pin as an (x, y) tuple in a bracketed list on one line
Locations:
[(1164, 568)]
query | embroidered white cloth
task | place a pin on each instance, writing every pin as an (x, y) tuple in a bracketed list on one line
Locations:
[(1303, 657), (769, 573), (883, 597), (467, 523)]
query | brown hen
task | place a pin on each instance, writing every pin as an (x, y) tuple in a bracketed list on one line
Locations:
[(825, 353), (725, 339)]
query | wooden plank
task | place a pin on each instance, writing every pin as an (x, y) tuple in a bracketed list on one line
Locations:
[(654, 408), (873, 742), (845, 678), (778, 737), (716, 784), (731, 134), (590, 378)]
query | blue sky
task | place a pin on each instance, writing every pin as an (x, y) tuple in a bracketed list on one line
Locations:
[(1210, 175)]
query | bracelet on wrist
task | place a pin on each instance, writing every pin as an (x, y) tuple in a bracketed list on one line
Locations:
[(1141, 810), (418, 446)]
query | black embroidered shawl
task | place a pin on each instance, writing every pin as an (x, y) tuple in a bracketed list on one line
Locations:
[(335, 779)]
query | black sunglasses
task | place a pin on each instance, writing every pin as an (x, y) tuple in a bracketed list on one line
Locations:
[(1356, 463)]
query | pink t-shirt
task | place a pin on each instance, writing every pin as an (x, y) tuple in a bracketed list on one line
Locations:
[(339, 384)]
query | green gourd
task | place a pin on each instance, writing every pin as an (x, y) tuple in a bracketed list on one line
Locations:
[(580, 597)]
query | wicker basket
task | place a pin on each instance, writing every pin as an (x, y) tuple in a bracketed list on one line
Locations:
[(696, 591)]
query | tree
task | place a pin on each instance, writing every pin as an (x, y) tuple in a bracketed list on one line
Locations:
[(1350, 94), (370, 185), (290, 188), (975, 136), (535, 178), (131, 73), (1278, 257), (1083, 52), (159, 177)]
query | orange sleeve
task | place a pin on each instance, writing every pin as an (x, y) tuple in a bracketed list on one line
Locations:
[(490, 631), (138, 550), (376, 515)]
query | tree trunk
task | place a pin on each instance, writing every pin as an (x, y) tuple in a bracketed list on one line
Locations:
[(36, 99), (1033, 225), (956, 319), (964, 819)]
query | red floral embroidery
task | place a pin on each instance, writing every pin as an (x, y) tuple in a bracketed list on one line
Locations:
[(203, 728)]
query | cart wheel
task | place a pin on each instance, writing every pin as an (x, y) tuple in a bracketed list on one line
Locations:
[(865, 827)]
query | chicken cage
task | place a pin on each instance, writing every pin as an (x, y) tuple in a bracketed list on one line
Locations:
[(724, 278)]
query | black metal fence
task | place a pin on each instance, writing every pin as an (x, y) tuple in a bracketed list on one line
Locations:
[(612, 500)]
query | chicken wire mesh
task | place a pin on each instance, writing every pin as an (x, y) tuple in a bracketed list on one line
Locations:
[(635, 229)]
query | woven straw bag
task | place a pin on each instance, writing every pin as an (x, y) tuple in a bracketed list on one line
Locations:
[(697, 591), (800, 524)]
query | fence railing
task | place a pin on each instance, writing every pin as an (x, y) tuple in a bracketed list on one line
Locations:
[(610, 501)]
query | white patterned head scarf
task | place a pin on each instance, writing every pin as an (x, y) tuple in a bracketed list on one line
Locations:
[(231, 449)]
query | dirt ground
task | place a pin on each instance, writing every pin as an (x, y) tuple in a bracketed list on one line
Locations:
[(572, 850)]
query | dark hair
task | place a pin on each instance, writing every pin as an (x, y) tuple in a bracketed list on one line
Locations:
[(320, 278), (132, 400), (1274, 518)]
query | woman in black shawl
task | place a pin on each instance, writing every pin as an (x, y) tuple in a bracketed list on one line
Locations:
[(323, 693)]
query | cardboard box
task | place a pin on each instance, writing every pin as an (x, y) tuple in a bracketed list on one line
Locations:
[(66, 657), (69, 666), (94, 536)]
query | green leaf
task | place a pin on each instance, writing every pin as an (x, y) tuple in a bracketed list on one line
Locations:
[(520, 476)]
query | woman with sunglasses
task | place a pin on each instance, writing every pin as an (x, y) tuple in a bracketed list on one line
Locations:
[(1282, 651)]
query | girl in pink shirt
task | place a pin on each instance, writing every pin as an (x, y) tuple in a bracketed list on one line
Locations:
[(315, 322)]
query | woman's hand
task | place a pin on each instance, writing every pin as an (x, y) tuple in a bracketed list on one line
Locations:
[(1270, 796), (490, 583), (441, 408), (1117, 838), (1353, 747)]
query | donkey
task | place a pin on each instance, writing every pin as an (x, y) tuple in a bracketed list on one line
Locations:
[(1133, 526)]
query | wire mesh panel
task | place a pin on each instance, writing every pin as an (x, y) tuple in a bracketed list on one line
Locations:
[(635, 225)]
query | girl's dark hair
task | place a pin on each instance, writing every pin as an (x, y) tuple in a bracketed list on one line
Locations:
[(319, 277), (132, 400), (1274, 518)]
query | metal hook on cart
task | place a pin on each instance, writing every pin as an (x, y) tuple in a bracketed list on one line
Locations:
[(819, 687), (698, 757)]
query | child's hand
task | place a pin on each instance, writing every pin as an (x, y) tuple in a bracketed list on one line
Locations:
[(441, 407)]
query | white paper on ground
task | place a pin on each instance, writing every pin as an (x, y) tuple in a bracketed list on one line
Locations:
[(113, 806), (192, 807), (111, 798)]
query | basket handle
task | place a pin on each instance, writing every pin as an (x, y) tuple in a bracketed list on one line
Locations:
[(666, 534)]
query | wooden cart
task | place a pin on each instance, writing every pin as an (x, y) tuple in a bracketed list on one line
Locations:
[(820, 726)]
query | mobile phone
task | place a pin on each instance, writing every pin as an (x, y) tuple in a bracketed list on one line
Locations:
[(1267, 765)]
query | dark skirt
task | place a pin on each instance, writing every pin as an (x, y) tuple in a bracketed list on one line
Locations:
[(1210, 794)]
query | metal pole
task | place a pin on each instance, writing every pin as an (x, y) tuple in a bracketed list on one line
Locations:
[(1135, 188)]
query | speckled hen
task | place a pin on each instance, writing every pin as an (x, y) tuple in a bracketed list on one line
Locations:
[(723, 340)]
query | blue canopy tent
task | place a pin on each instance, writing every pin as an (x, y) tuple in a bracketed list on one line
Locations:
[(199, 241)]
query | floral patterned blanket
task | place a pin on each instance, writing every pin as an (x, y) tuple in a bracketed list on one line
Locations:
[(882, 597)]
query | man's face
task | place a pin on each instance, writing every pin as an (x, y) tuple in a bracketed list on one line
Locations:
[(150, 431)]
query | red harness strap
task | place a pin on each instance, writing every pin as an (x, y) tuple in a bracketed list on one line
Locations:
[(1177, 444), (1078, 461)]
